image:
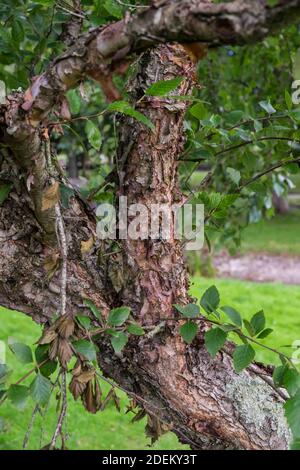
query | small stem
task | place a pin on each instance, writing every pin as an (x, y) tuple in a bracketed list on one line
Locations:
[(63, 411)]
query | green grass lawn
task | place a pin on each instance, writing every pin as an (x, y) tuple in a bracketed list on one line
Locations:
[(113, 430), (108, 430), (280, 235)]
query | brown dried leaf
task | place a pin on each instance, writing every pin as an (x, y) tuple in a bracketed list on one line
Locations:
[(53, 349), (66, 326), (116, 401), (77, 368), (64, 352), (140, 415), (50, 196), (76, 388), (86, 376), (48, 336)]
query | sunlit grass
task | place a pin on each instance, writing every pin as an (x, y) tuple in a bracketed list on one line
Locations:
[(113, 430)]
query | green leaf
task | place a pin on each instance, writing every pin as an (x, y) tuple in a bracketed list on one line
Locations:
[(210, 299), (199, 111), (291, 381), (234, 175), (292, 413), (266, 105), (288, 100), (40, 389), (234, 315), (113, 8), (84, 321), (248, 327), (188, 311), (18, 395), (4, 192), (65, 195), (243, 356), (93, 308), (278, 375), (74, 101), (124, 108), (135, 329), (86, 349), (22, 352), (163, 87), (214, 340), (17, 31), (234, 117), (118, 316), (119, 341), (93, 135), (4, 373), (258, 322), (188, 331), (41, 355), (265, 333)]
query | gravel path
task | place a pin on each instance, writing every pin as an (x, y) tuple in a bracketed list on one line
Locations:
[(259, 267)]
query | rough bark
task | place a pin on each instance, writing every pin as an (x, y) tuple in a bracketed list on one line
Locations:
[(97, 52), (202, 400)]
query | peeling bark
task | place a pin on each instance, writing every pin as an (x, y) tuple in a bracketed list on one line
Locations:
[(201, 399)]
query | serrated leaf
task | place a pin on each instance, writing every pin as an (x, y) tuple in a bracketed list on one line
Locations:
[(18, 395), (40, 389), (188, 331), (93, 308), (243, 356), (210, 299), (135, 329), (86, 349), (124, 108), (234, 175), (93, 135), (22, 352), (118, 316), (234, 315), (84, 321), (188, 311), (119, 341), (258, 322), (163, 87), (215, 340)]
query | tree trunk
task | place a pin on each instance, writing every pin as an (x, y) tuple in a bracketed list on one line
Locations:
[(181, 387)]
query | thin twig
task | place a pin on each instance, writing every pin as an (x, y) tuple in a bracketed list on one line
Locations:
[(64, 254), (30, 426), (63, 411)]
